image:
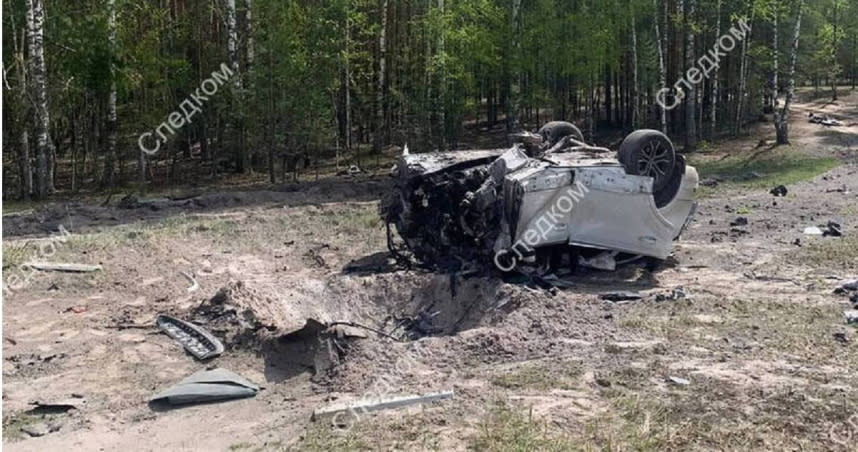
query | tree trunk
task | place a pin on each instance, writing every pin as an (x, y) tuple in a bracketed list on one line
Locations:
[(241, 157), (442, 86), (251, 55), (834, 45), (774, 81), (662, 70), (782, 116), (691, 98), (743, 75), (25, 167), (39, 95), (379, 89), (109, 176), (714, 100), (248, 142), (634, 94), (347, 92)]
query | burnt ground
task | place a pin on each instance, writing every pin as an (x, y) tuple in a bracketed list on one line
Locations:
[(759, 335)]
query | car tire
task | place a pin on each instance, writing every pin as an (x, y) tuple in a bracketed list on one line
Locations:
[(649, 153), (554, 131), (664, 196)]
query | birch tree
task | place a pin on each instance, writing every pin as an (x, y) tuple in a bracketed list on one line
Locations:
[(691, 98), (662, 70), (242, 159), (379, 91), (39, 96), (109, 175), (782, 115), (714, 95)]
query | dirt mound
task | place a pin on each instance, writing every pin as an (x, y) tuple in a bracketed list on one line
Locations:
[(241, 314)]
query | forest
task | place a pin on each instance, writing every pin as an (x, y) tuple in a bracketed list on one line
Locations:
[(103, 94)]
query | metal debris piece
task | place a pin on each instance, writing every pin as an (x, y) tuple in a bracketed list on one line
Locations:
[(780, 190), (678, 381), (556, 281), (194, 285), (63, 267), (620, 296), (677, 293), (812, 230), (196, 340), (207, 386), (833, 229), (56, 406), (739, 221), (356, 408), (848, 286)]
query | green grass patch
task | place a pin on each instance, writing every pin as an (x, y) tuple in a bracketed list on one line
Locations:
[(766, 171), (508, 429)]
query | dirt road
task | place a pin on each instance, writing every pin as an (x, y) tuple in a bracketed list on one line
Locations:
[(745, 315)]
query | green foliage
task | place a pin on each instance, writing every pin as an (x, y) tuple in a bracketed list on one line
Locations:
[(464, 61)]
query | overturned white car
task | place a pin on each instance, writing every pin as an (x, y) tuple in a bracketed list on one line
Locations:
[(550, 200)]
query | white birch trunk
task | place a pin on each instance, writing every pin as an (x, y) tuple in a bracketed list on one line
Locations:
[(691, 98), (774, 93), (662, 72), (635, 100), (109, 179), (39, 95), (714, 113), (379, 89), (782, 116)]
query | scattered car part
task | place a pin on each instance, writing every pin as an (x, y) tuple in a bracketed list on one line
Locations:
[(207, 386), (195, 339), (677, 293), (780, 190), (194, 284), (620, 296), (62, 267), (812, 230), (357, 408), (832, 229), (850, 285), (56, 406), (451, 208), (678, 381)]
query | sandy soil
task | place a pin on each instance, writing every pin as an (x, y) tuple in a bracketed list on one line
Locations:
[(759, 334)]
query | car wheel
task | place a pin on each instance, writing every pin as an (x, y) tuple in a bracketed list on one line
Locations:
[(649, 153), (554, 131), (664, 196)]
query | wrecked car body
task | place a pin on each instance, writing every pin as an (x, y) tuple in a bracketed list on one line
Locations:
[(548, 198)]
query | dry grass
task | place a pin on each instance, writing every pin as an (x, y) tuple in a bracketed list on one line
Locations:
[(540, 376), (832, 253), (510, 429)]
